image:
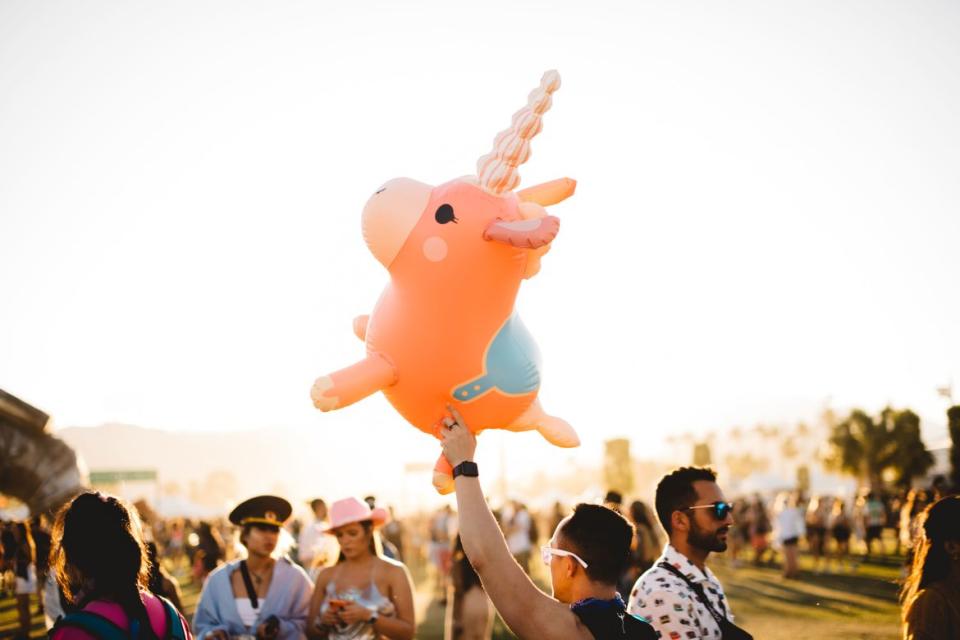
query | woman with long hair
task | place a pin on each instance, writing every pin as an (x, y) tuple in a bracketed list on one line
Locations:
[(263, 595), (364, 596), (101, 565), (931, 593)]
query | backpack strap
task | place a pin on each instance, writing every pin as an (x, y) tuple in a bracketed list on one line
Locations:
[(93, 624), (175, 630)]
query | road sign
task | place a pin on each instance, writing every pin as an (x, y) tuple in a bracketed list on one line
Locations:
[(127, 475)]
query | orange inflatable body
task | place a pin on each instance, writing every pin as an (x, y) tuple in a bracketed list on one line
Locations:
[(444, 330)]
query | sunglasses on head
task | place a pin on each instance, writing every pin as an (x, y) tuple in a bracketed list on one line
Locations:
[(547, 552), (720, 509)]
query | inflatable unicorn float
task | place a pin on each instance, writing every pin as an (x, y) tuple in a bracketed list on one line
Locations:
[(444, 331)]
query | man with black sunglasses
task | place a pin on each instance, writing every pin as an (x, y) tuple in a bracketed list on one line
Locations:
[(679, 595)]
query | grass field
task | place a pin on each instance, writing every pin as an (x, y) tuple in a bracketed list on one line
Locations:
[(850, 606)]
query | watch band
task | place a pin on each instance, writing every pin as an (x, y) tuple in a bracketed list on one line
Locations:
[(466, 468)]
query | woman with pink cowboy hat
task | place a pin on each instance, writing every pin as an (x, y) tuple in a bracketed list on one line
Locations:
[(365, 596)]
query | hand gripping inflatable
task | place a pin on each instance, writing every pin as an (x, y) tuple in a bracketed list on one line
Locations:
[(444, 330)]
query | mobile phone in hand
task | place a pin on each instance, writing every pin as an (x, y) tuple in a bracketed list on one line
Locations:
[(273, 625)]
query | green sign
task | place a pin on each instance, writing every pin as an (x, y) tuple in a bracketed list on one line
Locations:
[(133, 475)]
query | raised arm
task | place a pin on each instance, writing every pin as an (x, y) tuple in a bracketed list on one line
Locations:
[(527, 611)]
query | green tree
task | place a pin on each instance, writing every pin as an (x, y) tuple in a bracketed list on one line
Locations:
[(865, 447), (953, 423), (910, 458)]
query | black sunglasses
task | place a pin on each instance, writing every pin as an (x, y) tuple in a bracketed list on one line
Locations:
[(720, 509)]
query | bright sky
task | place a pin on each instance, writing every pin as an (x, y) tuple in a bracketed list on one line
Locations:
[(767, 216)]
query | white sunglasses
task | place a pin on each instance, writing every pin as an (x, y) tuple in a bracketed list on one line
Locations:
[(546, 552)]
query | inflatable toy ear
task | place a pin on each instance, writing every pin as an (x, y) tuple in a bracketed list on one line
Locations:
[(524, 234), (548, 193)]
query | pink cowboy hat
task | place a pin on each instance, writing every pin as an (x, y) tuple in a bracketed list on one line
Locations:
[(350, 510)]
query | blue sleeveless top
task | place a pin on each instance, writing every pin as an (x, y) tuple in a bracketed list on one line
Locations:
[(609, 620)]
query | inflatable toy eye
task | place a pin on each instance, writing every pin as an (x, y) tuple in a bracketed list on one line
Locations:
[(444, 214)]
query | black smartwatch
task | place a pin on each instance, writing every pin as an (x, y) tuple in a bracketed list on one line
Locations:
[(466, 468)]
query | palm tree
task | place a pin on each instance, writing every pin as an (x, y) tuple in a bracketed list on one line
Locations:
[(865, 447)]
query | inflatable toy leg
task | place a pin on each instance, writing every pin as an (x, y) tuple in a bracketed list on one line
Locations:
[(360, 327), (354, 383), (555, 430), (443, 476)]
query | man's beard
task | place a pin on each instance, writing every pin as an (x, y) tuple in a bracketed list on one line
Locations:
[(705, 540)]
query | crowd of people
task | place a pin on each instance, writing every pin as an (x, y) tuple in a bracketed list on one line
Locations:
[(839, 533), (616, 569)]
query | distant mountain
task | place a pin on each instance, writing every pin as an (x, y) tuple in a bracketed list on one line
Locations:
[(211, 468), (217, 469)]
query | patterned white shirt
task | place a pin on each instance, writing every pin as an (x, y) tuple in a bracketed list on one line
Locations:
[(671, 606)]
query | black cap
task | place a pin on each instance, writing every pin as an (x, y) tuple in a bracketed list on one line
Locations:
[(614, 497), (268, 510)]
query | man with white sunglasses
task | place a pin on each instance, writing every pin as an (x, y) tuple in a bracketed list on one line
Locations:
[(679, 595), (587, 554)]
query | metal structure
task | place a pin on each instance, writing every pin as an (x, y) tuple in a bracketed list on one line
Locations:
[(35, 467)]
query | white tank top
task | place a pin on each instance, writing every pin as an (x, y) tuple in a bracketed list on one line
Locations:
[(248, 615)]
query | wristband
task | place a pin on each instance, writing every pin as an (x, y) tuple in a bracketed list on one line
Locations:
[(466, 468)]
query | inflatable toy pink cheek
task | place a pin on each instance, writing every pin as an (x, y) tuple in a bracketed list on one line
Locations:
[(435, 249)]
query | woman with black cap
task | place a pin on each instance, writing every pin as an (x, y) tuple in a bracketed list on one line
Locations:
[(262, 596)]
